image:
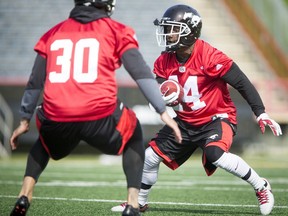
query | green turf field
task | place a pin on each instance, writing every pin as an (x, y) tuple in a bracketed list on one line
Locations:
[(83, 185)]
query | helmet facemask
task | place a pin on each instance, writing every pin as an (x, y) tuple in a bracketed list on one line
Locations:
[(179, 27), (170, 33)]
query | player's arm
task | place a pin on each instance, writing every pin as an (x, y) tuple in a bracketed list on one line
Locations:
[(238, 80), (141, 73), (33, 88), (30, 98)]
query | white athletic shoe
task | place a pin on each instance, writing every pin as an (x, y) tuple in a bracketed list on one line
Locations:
[(121, 207), (265, 199)]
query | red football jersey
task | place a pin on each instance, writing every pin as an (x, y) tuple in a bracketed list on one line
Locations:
[(205, 93), (80, 80)]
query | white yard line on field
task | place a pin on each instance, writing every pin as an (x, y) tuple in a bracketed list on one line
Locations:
[(159, 203), (211, 185)]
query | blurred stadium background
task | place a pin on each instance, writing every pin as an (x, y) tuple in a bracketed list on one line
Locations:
[(254, 33)]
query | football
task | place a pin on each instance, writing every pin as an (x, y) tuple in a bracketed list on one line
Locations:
[(172, 92)]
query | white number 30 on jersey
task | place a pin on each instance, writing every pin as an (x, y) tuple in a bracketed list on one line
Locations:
[(77, 58)]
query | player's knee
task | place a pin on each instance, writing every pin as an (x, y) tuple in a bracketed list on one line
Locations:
[(213, 153), (151, 167), (152, 160)]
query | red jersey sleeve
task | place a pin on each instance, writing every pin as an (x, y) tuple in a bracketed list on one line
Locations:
[(158, 68), (216, 62), (126, 39), (41, 45), (164, 65)]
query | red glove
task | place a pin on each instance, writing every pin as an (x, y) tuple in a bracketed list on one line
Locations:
[(264, 120)]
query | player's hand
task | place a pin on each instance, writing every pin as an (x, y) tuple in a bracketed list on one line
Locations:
[(264, 120), (171, 97), (21, 129), (172, 124)]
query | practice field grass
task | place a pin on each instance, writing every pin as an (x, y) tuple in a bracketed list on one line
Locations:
[(83, 186)]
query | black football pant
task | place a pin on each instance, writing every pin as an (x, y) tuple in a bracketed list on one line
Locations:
[(133, 159)]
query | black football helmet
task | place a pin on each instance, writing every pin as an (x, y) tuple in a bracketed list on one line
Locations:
[(108, 5), (181, 21)]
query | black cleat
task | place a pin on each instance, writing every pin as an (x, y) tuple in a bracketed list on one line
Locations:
[(21, 207), (130, 211)]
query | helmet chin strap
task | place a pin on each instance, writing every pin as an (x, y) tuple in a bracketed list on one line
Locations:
[(176, 47)]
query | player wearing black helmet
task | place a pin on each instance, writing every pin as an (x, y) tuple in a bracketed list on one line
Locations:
[(76, 62), (207, 114), (181, 21)]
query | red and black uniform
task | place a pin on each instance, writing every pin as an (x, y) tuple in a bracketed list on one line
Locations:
[(75, 67), (207, 115)]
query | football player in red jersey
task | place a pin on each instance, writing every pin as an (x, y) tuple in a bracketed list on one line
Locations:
[(207, 115), (75, 66)]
